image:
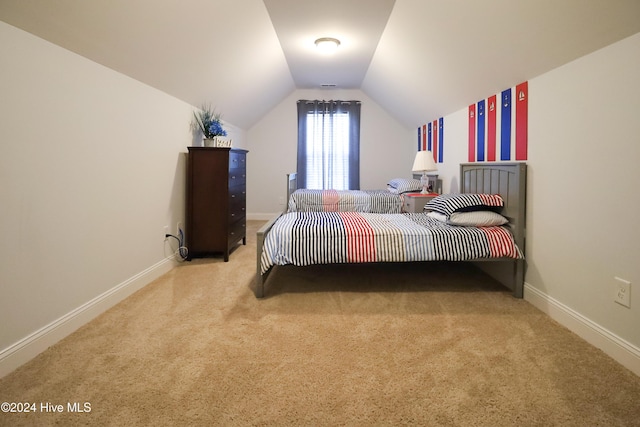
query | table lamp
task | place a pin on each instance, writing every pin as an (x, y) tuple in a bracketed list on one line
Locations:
[(424, 163)]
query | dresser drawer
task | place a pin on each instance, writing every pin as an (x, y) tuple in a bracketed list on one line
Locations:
[(237, 202), (237, 160), (414, 202), (237, 231), (237, 192), (237, 176), (237, 210)]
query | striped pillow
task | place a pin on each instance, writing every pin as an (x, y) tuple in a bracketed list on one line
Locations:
[(402, 185), (456, 202)]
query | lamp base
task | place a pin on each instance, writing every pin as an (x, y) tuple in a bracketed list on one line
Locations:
[(424, 180)]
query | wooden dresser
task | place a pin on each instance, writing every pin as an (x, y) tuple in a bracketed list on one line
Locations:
[(216, 200)]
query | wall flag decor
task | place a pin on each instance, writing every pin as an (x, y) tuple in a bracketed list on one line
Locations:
[(492, 133), (431, 138)]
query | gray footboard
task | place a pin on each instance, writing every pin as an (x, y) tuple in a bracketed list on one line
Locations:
[(261, 278)]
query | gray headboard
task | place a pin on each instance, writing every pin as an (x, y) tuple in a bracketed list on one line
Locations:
[(509, 179)]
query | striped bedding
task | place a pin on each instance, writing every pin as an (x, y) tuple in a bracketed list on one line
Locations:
[(377, 201), (306, 238)]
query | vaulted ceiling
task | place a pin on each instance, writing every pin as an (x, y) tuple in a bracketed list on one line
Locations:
[(418, 59)]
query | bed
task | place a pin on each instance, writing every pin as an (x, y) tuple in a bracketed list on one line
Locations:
[(376, 201), (390, 200), (306, 238)]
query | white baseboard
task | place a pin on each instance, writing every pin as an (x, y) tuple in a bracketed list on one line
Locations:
[(29, 347), (620, 350)]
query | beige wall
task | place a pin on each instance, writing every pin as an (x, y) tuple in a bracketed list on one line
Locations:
[(386, 149), (583, 200), (92, 169), (583, 195)]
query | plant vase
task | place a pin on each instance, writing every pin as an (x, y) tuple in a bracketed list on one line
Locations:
[(216, 141)]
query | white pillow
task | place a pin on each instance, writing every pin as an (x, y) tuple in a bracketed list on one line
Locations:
[(437, 215), (477, 219), (471, 219)]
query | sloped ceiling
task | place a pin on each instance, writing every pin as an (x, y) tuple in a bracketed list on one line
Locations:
[(419, 59), (357, 24)]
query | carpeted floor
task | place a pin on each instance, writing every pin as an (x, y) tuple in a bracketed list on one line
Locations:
[(430, 344)]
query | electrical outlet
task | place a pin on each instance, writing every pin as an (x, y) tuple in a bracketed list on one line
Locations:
[(166, 231), (623, 292)]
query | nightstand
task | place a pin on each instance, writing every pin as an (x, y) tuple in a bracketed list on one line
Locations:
[(414, 202)]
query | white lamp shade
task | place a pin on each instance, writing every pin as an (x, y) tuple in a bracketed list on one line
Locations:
[(424, 162)]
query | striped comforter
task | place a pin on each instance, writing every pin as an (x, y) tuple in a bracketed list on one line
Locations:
[(377, 201), (306, 238)]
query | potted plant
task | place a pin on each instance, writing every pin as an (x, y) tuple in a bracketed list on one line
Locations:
[(210, 124)]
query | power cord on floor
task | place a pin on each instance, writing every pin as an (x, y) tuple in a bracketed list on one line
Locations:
[(183, 251)]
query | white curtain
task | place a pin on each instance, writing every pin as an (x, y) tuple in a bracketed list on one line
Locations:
[(329, 144)]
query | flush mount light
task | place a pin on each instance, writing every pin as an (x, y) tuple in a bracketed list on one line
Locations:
[(327, 44)]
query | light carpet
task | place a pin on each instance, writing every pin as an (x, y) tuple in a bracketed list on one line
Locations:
[(436, 344)]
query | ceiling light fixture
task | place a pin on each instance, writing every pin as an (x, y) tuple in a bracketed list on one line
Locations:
[(327, 44)]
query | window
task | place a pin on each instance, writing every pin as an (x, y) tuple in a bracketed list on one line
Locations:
[(328, 159), (329, 145)]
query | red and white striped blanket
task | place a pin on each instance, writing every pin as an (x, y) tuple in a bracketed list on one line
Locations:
[(377, 201), (306, 238)]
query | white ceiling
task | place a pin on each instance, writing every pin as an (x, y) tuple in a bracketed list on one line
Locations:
[(357, 24), (419, 59)]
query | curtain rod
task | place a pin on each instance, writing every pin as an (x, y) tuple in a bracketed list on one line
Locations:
[(324, 101)]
